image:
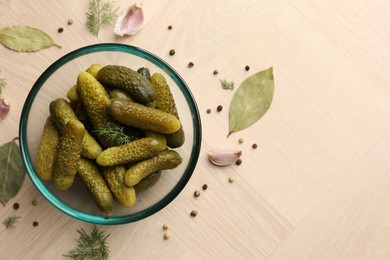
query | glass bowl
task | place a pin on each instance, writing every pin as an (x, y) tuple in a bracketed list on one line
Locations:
[(56, 81)]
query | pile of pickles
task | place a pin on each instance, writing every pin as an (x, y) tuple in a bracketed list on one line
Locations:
[(116, 132)]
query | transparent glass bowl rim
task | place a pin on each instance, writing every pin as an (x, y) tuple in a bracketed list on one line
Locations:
[(115, 220)]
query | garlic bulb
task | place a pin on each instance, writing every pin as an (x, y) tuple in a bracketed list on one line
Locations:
[(129, 21), (223, 157)]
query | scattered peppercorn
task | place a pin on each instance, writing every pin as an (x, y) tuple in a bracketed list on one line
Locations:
[(238, 162), (172, 52), (254, 146), (70, 22), (35, 223), (16, 205), (219, 108), (231, 179), (165, 227), (208, 111), (204, 187), (60, 30), (241, 140), (247, 67), (215, 72), (170, 27), (196, 193), (34, 202), (190, 64), (194, 213), (166, 236)]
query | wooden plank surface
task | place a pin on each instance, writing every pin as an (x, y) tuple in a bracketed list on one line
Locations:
[(317, 185)]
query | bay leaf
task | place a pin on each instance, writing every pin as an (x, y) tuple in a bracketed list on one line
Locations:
[(12, 171), (251, 100), (23, 38)]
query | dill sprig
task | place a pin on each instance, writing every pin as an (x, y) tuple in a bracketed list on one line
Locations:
[(114, 133), (227, 84), (100, 13), (90, 246), (11, 221), (3, 83)]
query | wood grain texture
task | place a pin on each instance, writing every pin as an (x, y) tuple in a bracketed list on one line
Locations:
[(317, 185)]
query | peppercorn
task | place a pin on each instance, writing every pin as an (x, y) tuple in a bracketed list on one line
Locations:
[(247, 67), (215, 72), (170, 27), (194, 213), (231, 179), (196, 193), (166, 236), (34, 202), (190, 64), (70, 22), (219, 108), (208, 111), (165, 227), (254, 146), (238, 162), (241, 140), (204, 187), (35, 223), (16, 205), (172, 52), (60, 30)]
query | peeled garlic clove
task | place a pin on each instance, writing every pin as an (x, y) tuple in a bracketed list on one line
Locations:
[(129, 21), (223, 157)]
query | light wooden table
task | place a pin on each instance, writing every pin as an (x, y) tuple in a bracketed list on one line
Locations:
[(317, 186)]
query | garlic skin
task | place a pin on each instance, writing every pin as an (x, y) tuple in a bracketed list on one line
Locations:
[(224, 157), (129, 21)]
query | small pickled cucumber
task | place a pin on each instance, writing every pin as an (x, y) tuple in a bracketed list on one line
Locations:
[(96, 185), (94, 69), (61, 113), (114, 178), (68, 154), (144, 72), (140, 116), (167, 159), (119, 93), (134, 151), (47, 150), (147, 182), (73, 94), (166, 103), (132, 82)]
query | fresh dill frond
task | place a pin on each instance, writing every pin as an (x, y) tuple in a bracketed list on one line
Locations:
[(11, 221), (100, 13), (90, 246), (227, 84), (114, 133), (3, 83)]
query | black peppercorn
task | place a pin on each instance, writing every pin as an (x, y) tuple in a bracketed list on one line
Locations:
[(194, 213), (16, 205), (204, 187), (254, 146), (238, 162), (60, 30), (215, 72), (190, 64), (219, 108), (35, 223), (172, 52), (208, 111), (170, 27), (196, 193), (247, 67)]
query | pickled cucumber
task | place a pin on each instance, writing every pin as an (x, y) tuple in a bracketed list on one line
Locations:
[(167, 159), (134, 151), (119, 93), (166, 103), (147, 182), (147, 118), (61, 113), (47, 150), (94, 69), (73, 94), (96, 185), (114, 178), (144, 72), (139, 88), (68, 155)]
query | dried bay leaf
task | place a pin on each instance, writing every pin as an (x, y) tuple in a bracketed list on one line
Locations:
[(23, 38), (12, 171), (251, 100)]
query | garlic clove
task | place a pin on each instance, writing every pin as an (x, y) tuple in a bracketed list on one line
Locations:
[(224, 157), (129, 21), (4, 107)]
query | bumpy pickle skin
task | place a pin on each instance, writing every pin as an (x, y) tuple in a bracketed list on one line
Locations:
[(68, 154), (137, 150), (94, 69), (47, 150), (147, 182), (73, 94), (167, 159), (119, 93), (166, 103), (144, 72), (132, 82), (95, 100), (143, 117), (96, 185), (61, 113), (126, 196)]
